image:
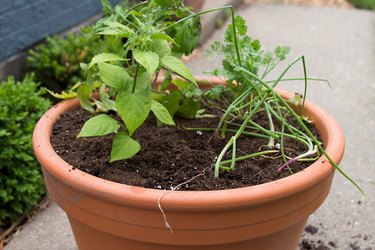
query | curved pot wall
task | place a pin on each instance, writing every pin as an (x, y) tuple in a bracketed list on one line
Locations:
[(108, 215)]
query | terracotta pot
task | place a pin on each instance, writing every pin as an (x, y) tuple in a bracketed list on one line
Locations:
[(108, 215)]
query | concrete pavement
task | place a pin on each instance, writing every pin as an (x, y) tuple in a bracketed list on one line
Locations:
[(339, 45)]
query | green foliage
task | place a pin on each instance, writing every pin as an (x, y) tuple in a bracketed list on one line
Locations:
[(364, 4), (21, 181), (252, 57), (123, 147), (99, 125), (136, 44), (56, 62), (242, 65)]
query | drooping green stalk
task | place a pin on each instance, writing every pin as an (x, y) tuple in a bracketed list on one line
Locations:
[(259, 103), (275, 134), (282, 151), (301, 79), (271, 141), (305, 87), (303, 126), (246, 157), (240, 131), (230, 108), (233, 159)]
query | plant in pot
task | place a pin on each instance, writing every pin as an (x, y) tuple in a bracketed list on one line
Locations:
[(181, 163)]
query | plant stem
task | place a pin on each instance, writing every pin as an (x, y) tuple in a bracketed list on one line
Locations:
[(135, 77), (299, 121), (239, 131), (271, 141), (246, 157)]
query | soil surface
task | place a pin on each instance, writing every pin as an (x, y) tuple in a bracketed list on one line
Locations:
[(170, 155)]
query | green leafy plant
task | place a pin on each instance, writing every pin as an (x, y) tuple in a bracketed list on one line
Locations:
[(150, 42), (21, 181), (56, 62), (245, 67)]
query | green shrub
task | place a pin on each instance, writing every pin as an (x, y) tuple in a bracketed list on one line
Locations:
[(364, 4), (56, 62), (21, 181)]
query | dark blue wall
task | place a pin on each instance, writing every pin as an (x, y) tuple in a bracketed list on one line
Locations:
[(25, 22)]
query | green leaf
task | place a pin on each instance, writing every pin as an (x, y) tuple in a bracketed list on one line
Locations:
[(161, 47), (148, 59), (169, 3), (84, 94), (181, 84), (123, 147), (188, 109), (177, 66), (98, 126), (114, 76), (143, 86), (105, 57), (281, 52), (63, 95), (115, 29), (133, 109), (105, 100), (162, 36), (170, 101), (107, 7), (187, 36), (161, 113)]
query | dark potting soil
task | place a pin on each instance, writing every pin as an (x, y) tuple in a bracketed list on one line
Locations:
[(170, 155)]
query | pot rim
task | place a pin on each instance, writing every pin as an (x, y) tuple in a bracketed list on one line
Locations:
[(222, 199)]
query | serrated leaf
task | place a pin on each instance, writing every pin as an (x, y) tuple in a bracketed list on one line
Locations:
[(63, 95), (177, 66), (114, 76), (98, 126), (281, 52), (133, 108), (161, 113), (124, 147), (148, 59), (105, 57)]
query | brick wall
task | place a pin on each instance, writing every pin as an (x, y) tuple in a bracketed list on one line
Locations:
[(25, 22)]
